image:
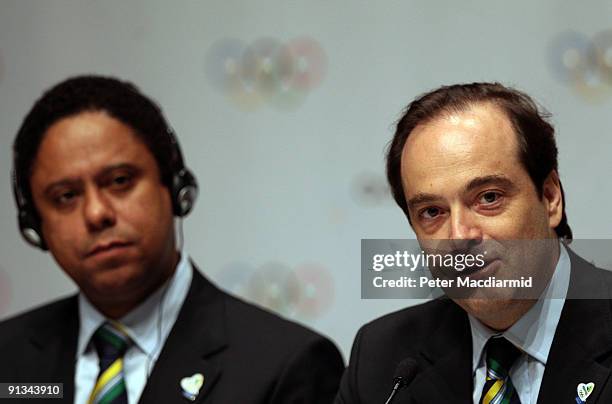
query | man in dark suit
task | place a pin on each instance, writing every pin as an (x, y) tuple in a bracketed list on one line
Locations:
[(474, 166), (98, 179)]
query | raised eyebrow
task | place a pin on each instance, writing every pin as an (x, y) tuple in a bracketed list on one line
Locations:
[(422, 198), (499, 180)]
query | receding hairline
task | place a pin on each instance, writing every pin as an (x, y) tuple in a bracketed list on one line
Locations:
[(449, 111), (466, 106)]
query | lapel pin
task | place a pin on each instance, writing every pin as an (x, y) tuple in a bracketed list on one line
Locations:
[(584, 391), (191, 386)]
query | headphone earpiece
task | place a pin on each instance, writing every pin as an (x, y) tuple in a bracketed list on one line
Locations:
[(184, 184), (184, 192), (30, 230), (29, 225)]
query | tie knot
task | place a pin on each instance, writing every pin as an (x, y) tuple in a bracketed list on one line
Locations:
[(111, 341), (501, 355)]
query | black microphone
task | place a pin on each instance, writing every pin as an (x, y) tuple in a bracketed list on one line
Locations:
[(405, 372)]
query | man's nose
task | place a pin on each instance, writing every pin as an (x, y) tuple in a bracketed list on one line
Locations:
[(465, 231), (98, 210)]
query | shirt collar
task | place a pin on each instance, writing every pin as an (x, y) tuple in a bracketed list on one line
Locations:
[(534, 332), (150, 322)]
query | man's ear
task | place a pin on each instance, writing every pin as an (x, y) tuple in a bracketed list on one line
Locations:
[(552, 197)]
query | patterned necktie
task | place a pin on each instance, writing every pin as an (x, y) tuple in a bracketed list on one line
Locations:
[(498, 388), (111, 343)]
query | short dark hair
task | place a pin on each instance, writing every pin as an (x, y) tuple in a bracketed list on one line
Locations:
[(535, 135), (120, 99)]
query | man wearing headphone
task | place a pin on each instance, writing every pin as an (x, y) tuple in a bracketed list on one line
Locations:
[(98, 176)]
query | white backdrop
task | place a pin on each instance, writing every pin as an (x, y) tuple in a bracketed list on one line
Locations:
[(290, 186)]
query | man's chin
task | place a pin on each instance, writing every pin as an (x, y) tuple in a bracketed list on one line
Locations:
[(119, 282), (478, 306), (496, 313)]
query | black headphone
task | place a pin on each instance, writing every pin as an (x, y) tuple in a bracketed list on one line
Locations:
[(183, 192)]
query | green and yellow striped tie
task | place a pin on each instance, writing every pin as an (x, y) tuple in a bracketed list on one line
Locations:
[(498, 388), (111, 342)]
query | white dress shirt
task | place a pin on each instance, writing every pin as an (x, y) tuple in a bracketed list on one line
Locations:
[(532, 334), (148, 325)]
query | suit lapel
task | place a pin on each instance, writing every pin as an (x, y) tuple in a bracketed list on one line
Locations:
[(446, 362), (583, 335), (51, 354), (197, 336)]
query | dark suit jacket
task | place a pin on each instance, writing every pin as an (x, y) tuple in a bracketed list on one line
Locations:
[(247, 355), (437, 335)]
